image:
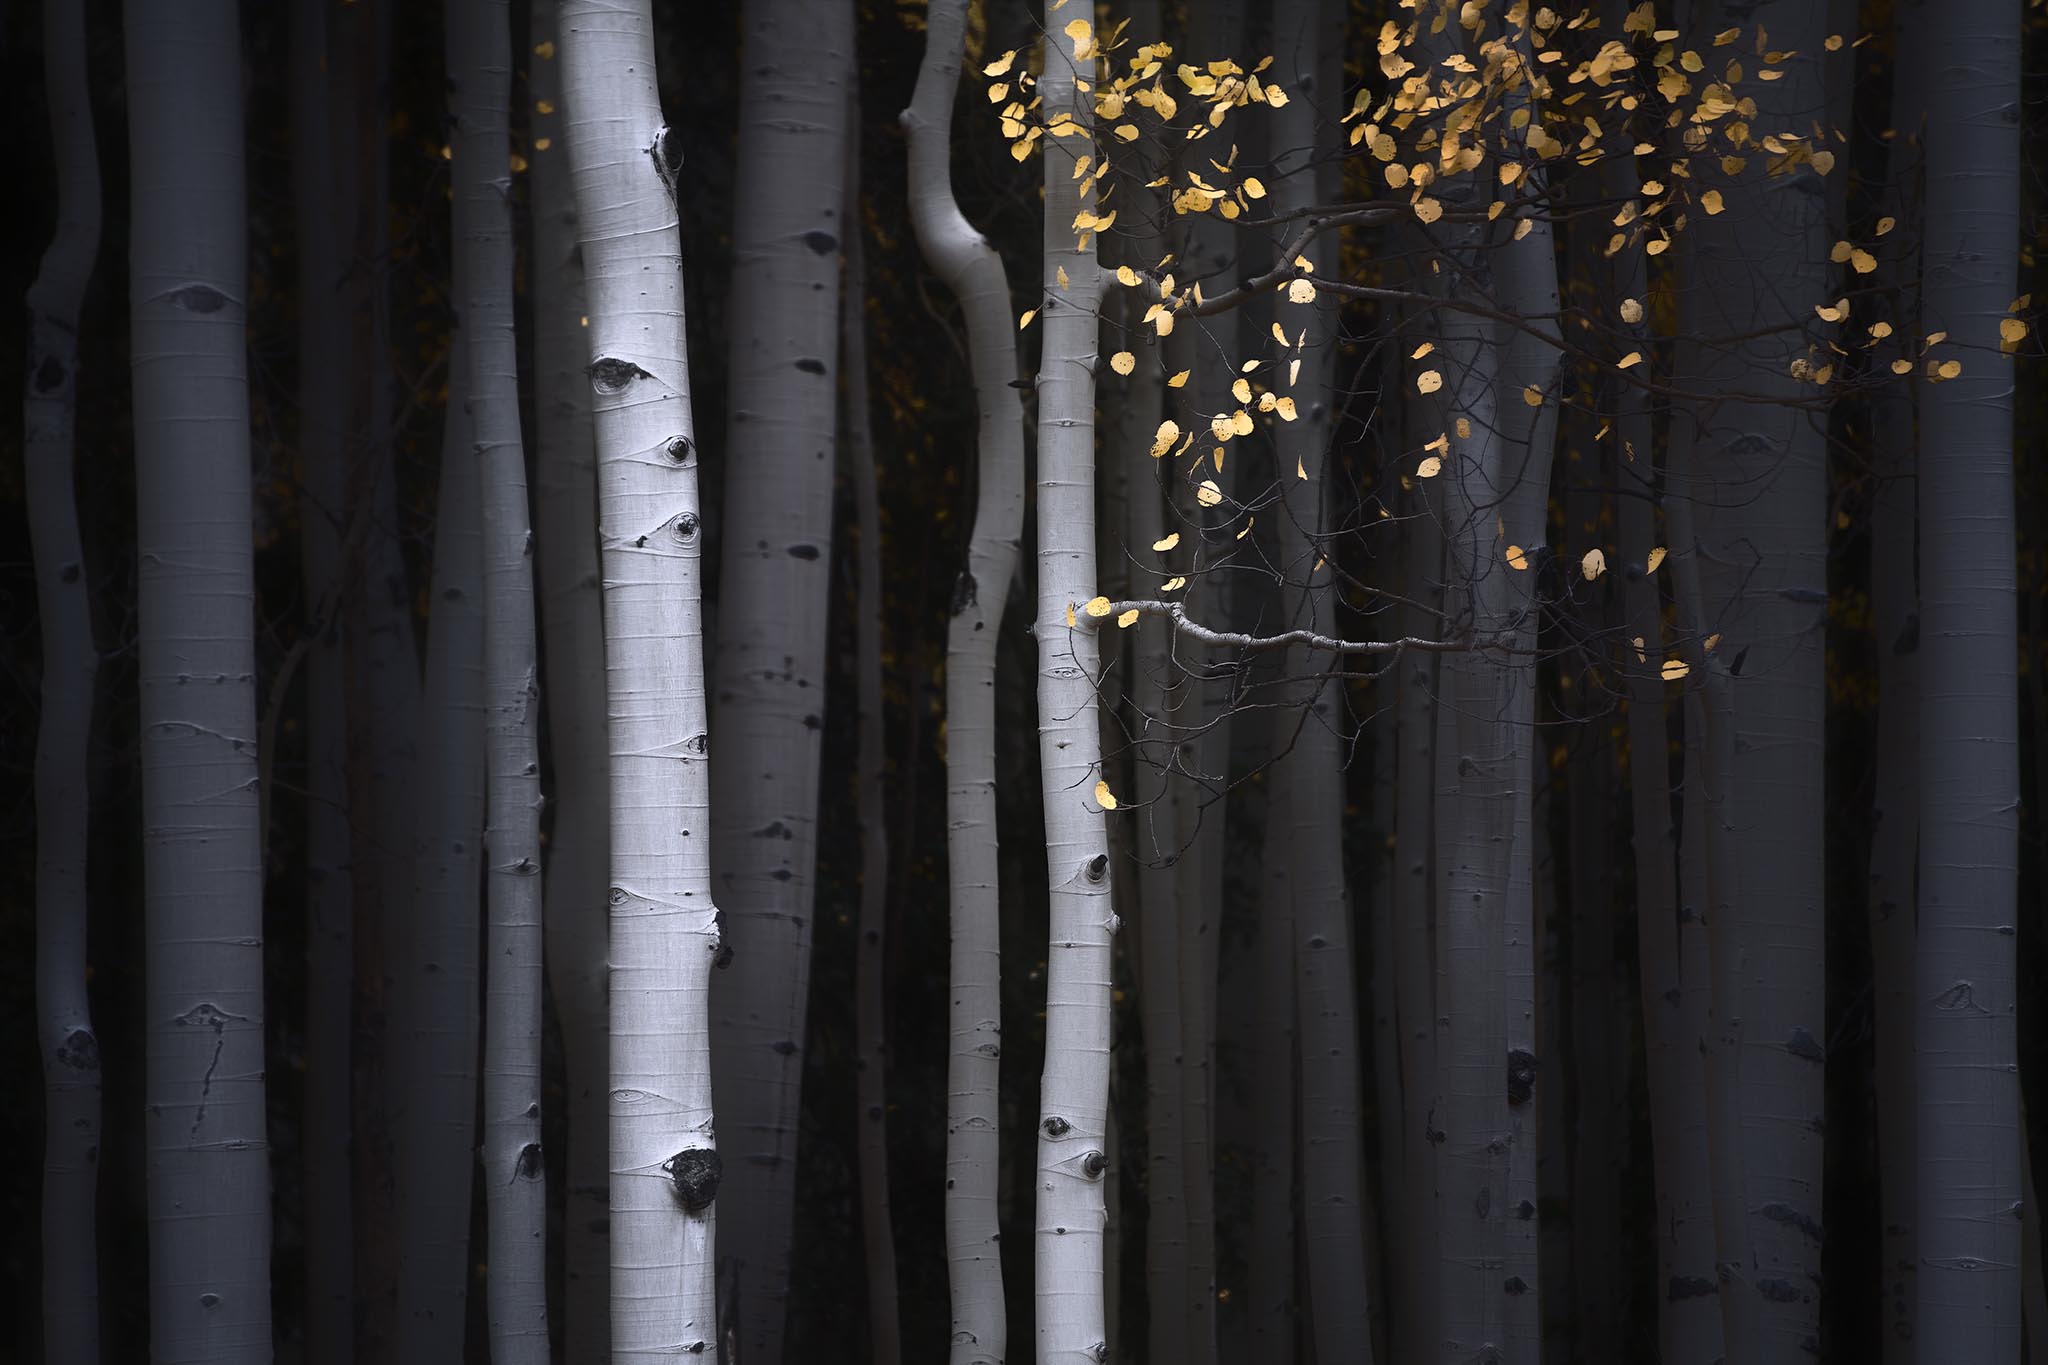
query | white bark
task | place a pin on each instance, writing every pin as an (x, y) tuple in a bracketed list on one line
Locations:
[(515, 1188), (973, 271), (1968, 1146), (572, 616), (70, 1047), (435, 1000), (776, 561), (665, 1166), (207, 1155), (1074, 1090)]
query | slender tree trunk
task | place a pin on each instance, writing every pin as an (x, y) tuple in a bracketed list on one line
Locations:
[(973, 271), (435, 1005), (1760, 265), (70, 1047), (207, 1151), (878, 1238), (1074, 1091), (1966, 1078), (1274, 1294), (777, 557), (323, 191), (572, 615), (515, 1189), (665, 1166)]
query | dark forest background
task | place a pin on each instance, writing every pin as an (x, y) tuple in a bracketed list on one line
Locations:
[(1600, 1304)]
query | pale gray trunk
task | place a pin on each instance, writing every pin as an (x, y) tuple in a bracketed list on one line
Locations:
[(1760, 265), (1074, 1089), (515, 1189), (1271, 1312), (435, 1007), (1968, 1146), (206, 1151), (973, 271), (572, 617), (776, 560), (665, 1165), (70, 1048)]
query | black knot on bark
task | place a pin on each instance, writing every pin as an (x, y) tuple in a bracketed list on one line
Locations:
[(1098, 867), (1521, 1076), (686, 527), (612, 375), (679, 449), (529, 1166), (200, 298), (1057, 1127), (696, 1172), (618, 896), (1094, 1164)]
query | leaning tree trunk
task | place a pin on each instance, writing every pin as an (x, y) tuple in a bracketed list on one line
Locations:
[(870, 984), (572, 616), (71, 1050), (1074, 1091), (777, 558), (665, 1165), (206, 1148), (1763, 264), (515, 1188), (435, 1005), (973, 271), (1967, 1078)]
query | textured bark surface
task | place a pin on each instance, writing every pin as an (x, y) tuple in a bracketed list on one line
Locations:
[(973, 271), (1968, 1145), (665, 1163), (207, 1152), (572, 619), (776, 560), (64, 1032), (1074, 1089)]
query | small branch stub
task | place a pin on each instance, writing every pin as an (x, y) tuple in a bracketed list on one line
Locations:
[(696, 1172)]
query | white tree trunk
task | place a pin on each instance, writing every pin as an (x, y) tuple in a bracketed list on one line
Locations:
[(1968, 1146), (515, 1188), (206, 1149), (572, 616), (973, 271), (1074, 1090), (70, 1047), (665, 1166), (776, 559), (435, 999)]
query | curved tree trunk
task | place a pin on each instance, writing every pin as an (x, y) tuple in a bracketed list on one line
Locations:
[(70, 1048), (207, 1151), (776, 561), (515, 1189), (973, 271), (1074, 1091), (1968, 1146), (665, 1167), (572, 614)]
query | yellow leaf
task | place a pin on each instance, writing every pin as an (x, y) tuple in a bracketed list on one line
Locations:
[(1241, 422), (1254, 188), (1083, 34), (1632, 358), (1179, 380), (1070, 616), (1300, 291), (545, 51), (1171, 539), (1631, 311), (1840, 252), (1533, 396), (1517, 557), (1593, 565), (1241, 390), (1429, 381), (1173, 584), (1463, 426), (1832, 313), (1885, 225), (1656, 558), (1123, 362), (1950, 369), (1102, 796), (1025, 321), (1061, 276), (1674, 669), (1711, 202), (1163, 439), (2012, 331), (1709, 643), (1863, 261), (1902, 367), (1420, 351), (1126, 277), (1279, 335), (1428, 210), (1430, 467), (1208, 494), (1001, 65), (1285, 407), (1127, 619), (1097, 606)]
